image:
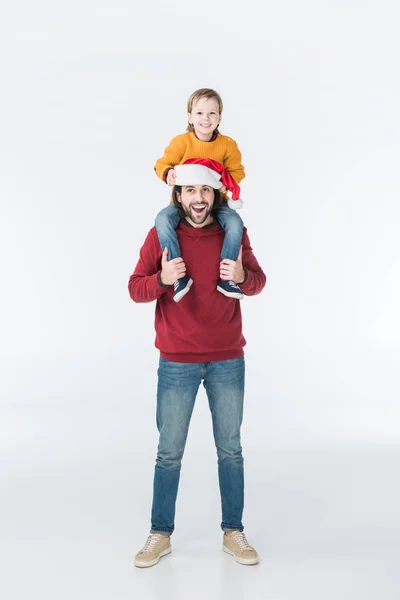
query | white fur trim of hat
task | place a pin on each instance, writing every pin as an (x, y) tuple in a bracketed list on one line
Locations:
[(197, 175), (235, 204)]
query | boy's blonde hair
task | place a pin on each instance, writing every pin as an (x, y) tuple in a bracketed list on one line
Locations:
[(203, 93)]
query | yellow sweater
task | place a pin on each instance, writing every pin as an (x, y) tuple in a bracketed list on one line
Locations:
[(186, 145)]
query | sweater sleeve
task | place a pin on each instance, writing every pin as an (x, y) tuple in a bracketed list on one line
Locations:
[(255, 276), (233, 161), (173, 155), (144, 283)]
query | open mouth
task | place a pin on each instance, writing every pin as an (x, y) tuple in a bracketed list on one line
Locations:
[(199, 208)]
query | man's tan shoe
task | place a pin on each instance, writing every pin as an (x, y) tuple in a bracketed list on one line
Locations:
[(235, 543), (157, 545)]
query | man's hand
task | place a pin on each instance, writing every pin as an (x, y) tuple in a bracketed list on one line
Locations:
[(171, 177), (232, 270), (171, 270)]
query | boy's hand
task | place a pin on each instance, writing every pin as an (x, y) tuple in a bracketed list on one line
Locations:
[(232, 270), (171, 177), (171, 270), (222, 189)]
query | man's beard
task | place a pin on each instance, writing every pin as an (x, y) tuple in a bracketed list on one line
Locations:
[(193, 216)]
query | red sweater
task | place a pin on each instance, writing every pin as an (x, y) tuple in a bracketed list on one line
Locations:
[(205, 325)]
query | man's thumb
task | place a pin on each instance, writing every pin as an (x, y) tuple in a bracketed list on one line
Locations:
[(164, 257), (240, 254)]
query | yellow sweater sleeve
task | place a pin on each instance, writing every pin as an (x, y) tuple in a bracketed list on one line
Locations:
[(233, 160), (173, 155)]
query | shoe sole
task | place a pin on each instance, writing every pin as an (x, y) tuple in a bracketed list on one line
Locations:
[(151, 563), (183, 292), (242, 561), (236, 295)]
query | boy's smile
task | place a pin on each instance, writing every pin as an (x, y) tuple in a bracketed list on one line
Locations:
[(205, 117)]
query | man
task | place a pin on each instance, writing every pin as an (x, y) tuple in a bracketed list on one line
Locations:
[(200, 339)]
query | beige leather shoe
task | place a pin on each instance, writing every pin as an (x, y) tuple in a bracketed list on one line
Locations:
[(235, 543), (156, 546)]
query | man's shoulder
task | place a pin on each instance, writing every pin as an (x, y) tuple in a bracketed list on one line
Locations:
[(151, 236)]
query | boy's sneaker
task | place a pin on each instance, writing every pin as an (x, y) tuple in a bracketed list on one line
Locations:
[(230, 289), (235, 543), (157, 545), (181, 287)]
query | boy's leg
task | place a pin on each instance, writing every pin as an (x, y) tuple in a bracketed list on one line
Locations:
[(232, 224), (178, 384), (166, 223)]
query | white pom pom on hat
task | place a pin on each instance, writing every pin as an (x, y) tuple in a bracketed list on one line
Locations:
[(235, 204), (205, 171)]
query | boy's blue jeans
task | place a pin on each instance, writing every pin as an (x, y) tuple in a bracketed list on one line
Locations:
[(167, 221), (178, 384)]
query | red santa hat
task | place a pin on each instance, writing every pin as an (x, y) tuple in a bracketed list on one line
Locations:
[(211, 173)]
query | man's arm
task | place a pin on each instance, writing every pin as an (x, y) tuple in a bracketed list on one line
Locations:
[(254, 277), (145, 282)]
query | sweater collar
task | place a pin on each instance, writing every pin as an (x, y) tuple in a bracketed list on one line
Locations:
[(214, 136), (213, 224)]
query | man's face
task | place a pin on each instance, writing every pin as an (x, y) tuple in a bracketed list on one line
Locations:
[(197, 202)]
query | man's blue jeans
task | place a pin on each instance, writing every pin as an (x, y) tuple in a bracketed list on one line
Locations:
[(178, 384), (167, 221)]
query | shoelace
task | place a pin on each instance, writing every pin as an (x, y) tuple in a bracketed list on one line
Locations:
[(240, 539), (233, 284), (152, 541)]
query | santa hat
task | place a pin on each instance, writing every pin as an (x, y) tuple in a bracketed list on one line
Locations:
[(205, 171)]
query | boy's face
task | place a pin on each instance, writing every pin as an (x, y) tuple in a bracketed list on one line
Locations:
[(197, 202), (205, 117)]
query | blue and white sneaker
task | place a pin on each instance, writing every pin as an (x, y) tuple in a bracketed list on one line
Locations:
[(230, 289), (181, 287)]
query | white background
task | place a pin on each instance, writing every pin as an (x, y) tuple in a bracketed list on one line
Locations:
[(90, 94)]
